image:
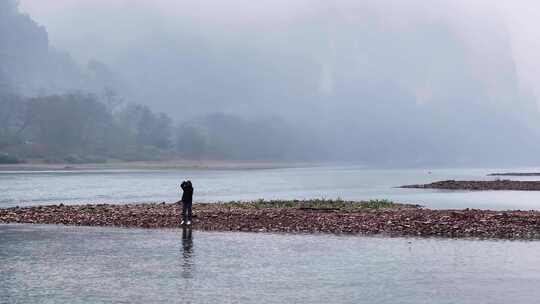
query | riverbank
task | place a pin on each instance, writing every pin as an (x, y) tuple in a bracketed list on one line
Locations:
[(480, 185), (515, 174), (315, 216), (155, 165)]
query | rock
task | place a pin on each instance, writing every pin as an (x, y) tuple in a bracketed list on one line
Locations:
[(400, 221)]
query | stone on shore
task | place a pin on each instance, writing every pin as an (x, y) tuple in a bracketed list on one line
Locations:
[(317, 216), (480, 185)]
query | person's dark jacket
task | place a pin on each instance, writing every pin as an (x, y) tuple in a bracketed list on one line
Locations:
[(187, 196)]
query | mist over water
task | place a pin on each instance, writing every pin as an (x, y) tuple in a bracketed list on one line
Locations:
[(379, 82)]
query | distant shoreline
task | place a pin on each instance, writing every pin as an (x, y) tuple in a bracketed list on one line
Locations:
[(479, 185), (315, 216), (156, 165), (515, 174)]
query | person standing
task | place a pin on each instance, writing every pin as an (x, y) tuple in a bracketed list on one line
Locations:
[(187, 200)]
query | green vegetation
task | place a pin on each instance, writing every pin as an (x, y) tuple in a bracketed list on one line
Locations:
[(8, 159), (80, 128), (316, 204), (54, 110)]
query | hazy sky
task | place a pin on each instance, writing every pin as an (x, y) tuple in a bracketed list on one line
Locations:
[(99, 28), (436, 80)]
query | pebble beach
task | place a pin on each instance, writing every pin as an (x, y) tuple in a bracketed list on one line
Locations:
[(316, 216)]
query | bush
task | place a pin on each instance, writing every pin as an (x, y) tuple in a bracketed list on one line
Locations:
[(319, 204), (9, 159), (85, 159)]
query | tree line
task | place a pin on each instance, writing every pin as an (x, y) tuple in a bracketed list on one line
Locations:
[(53, 109), (81, 128)]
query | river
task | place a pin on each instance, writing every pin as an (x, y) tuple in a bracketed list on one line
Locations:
[(55, 264), (26, 188)]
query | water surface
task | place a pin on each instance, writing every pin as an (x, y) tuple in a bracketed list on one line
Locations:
[(55, 264), (348, 182)]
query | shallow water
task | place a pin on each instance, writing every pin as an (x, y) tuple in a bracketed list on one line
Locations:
[(55, 264), (347, 182)]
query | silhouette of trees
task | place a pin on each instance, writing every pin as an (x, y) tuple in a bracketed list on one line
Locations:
[(78, 126), (226, 136), (13, 119)]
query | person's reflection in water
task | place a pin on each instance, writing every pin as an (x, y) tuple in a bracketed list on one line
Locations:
[(187, 252)]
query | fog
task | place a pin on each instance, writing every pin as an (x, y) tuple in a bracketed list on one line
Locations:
[(387, 82)]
